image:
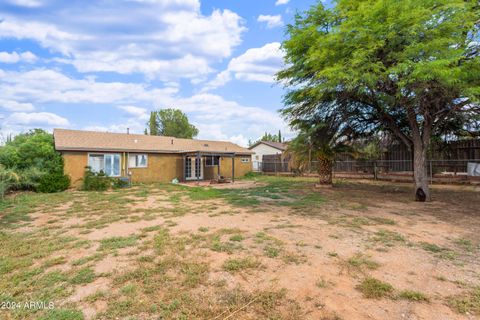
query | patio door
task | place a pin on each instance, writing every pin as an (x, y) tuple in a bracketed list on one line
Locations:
[(193, 168)]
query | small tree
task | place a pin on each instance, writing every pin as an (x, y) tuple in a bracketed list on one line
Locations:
[(319, 139)]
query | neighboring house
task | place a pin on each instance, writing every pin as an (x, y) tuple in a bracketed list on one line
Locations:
[(265, 148), (146, 158)]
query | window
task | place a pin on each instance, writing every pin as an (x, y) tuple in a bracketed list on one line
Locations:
[(96, 162), (108, 163), (211, 161), (245, 160), (137, 161)]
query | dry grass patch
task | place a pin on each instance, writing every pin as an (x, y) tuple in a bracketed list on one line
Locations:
[(466, 303), (375, 289), (240, 264)]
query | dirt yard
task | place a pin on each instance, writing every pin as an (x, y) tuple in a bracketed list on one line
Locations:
[(278, 249)]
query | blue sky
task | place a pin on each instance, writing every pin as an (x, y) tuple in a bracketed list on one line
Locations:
[(103, 65)]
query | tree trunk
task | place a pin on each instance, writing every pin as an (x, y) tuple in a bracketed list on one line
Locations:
[(325, 167), (420, 173)]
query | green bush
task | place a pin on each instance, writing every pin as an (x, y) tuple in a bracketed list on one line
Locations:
[(29, 178), (8, 178), (252, 174), (32, 149), (32, 157), (53, 182), (93, 181), (119, 183)]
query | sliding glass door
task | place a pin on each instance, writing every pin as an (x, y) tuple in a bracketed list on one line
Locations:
[(109, 163)]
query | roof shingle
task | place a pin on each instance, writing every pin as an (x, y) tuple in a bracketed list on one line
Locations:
[(77, 140)]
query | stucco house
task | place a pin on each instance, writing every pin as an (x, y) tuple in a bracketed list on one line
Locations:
[(265, 148), (145, 158)]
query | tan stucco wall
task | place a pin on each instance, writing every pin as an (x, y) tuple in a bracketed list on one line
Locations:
[(74, 166), (161, 167), (240, 168)]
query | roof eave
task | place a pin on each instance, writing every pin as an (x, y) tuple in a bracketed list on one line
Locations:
[(149, 151)]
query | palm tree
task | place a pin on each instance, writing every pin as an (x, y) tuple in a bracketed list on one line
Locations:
[(319, 139)]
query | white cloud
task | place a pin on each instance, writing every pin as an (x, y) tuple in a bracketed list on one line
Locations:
[(139, 113), (193, 4), (46, 34), (44, 85), (256, 64), (11, 105), (26, 3), (280, 2), (15, 57), (36, 118), (272, 21), (164, 39), (187, 66), (216, 117)]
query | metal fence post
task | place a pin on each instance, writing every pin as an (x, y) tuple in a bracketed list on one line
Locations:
[(431, 172)]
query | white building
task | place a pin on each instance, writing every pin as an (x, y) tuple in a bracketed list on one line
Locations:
[(262, 148)]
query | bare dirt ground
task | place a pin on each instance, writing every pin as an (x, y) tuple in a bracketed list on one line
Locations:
[(281, 249)]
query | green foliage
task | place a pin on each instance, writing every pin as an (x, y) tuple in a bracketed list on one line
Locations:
[(171, 122), (467, 303), (268, 137), (95, 181), (369, 149), (235, 265), (32, 149), (320, 138), (63, 314), (53, 182), (33, 159), (410, 67), (85, 275), (118, 242), (29, 178), (374, 289), (119, 183), (153, 124), (412, 296), (8, 178)]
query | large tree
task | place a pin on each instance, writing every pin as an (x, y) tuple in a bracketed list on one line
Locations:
[(409, 67), (172, 123)]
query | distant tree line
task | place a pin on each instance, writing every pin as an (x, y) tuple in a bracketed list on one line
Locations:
[(268, 137)]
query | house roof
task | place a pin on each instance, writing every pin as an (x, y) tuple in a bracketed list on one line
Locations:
[(76, 140), (277, 145)]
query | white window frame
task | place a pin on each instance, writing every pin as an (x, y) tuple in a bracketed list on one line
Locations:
[(245, 160), (136, 155), (104, 162)]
